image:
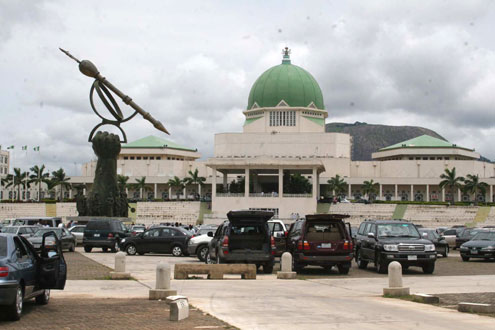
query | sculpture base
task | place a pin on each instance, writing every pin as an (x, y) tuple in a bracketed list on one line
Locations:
[(120, 275), (156, 294), (286, 275), (396, 292)]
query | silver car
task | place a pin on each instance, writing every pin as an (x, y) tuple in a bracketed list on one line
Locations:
[(26, 231), (78, 232), (198, 244)]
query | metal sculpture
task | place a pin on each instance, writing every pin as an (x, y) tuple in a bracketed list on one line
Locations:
[(106, 198)]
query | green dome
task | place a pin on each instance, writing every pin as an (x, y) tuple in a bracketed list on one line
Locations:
[(287, 82)]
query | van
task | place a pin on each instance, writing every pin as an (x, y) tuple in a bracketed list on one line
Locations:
[(38, 221), (104, 233)]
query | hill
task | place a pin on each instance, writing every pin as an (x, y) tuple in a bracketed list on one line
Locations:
[(368, 138)]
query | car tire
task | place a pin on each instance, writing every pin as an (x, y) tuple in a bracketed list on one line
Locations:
[(115, 246), (360, 262), (201, 252), (43, 298), (208, 260), (87, 249), (104, 249), (14, 310), (429, 268), (296, 267), (176, 251), (445, 253), (72, 248), (465, 258), (268, 268), (343, 269), (131, 249), (381, 267)]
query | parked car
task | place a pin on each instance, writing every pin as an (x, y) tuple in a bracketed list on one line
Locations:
[(466, 235), (450, 236), (384, 241), (137, 229), (480, 246), (441, 245), (67, 240), (440, 230), (26, 231), (243, 238), (78, 232), (279, 233), (321, 240), (198, 244), (25, 274), (104, 233), (38, 221), (161, 239)]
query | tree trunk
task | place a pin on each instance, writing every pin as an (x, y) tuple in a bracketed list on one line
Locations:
[(199, 191), (39, 191), (141, 193)]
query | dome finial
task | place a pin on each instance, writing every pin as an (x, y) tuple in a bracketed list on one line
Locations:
[(286, 57)]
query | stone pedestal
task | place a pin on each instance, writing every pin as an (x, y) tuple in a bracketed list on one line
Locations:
[(119, 272), (162, 287), (286, 272), (395, 288)]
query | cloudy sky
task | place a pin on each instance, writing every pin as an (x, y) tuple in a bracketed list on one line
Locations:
[(192, 63)]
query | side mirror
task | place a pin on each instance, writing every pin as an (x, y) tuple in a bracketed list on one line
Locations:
[(210, 234), (371, 235), (52, 254), (425, 235)]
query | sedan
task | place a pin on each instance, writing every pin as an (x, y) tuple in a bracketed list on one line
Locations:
[(26, 231), (67, 240), (480, 246), (441, 245), (158, 240), (466, 235), (78, 232)]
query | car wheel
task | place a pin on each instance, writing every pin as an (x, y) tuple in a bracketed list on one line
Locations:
[(201, 253), (87, 249), (465, 258), (104, 249), (381, 267), (208, 259), (176, 251), (131, 249), (445, 253), (296, 267), (343, 269), (115, 247), (72, 248), (43, 298), (360, 262), (268, 268), (429, 268), (15, 309)]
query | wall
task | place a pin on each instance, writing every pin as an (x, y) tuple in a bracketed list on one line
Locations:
[(156, 212), (16, 210)]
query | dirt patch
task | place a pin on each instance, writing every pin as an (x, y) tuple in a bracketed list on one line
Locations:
[(80, 267)]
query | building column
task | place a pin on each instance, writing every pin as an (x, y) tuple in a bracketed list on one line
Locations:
[(411, 197), (184, 191), (126, 191), (490, 198), (246, 182), (280, 182), (213, 182), (318, 184), (155, 192), (225, 182), (458, 194), (443, 194), (396, 192), (315, 182), (349, 191), (70, 193), (170, 192), (380, 193), (427, 193)]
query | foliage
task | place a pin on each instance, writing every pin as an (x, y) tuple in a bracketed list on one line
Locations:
[(370, 189), (237, 187), (122, 182), (194, 178), (18, 179), (141, 186), (473, 184), (59, 178), (176, 183), (337, 184), (296, 184), (450, 180), (38, 177)]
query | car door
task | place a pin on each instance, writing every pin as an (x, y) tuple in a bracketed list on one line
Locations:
[(366, 242), (278, 234), (52, 269), (214, 242), (372, 242), (166, 240), (151, 240), (26, 266)]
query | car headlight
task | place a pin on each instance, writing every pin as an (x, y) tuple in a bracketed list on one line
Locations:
[(488, 248), (391, 247), (464, 248), (122, 240), (429, 247)]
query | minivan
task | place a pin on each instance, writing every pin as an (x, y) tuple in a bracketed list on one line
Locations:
[(104, 233)]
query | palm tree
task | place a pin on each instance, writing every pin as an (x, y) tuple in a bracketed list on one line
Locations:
[(296, 184), (472, 185), (18, 179), (370, 189), (141, 185), (122, 182), (61, 180), (50, 186), (337, 184), (38, 177), (177, 183), (7, 181), (451, 181), (194, 178)]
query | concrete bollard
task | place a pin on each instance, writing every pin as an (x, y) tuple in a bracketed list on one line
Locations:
[(162, 287), (395, 288), (119, 272), (179, 309), (286, 272)]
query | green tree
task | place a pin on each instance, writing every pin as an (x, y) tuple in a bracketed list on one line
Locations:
[(122, 182), (370, 189), (337, 184), (60, 179), (176, 183), (7, 181), (195, 178), (472, 185), (50, 186), (237, 186), (450, 180), (38, 177), (141, 186), (296, 184), (17, 180)]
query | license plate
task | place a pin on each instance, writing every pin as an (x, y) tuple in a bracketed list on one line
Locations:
[(326, 245), (96, 235), (412, 257), (474, 251)]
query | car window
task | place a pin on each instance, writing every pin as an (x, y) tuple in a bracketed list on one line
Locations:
[(20, 250), (3, 246), (77, 230), (152, 233), (366, 229), (449, 232), (372, 229), (219, 231), (361, 229), (176, 233), (165, 232), (98, 225), (22, 231), (398, 230), (9, 230), (246, 230)]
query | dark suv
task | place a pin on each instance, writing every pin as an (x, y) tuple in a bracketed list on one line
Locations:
[(104, 233), (321, 240), (384, 241), (243, 238)]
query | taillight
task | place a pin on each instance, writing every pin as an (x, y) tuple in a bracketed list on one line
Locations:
[(110, 235), (303, 245), (4, 271), (306, 245), (272, 243), (348, 245), (300, 245), (286, 234), (225, 245)]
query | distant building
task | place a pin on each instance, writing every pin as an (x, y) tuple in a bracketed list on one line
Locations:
[(4, 168)]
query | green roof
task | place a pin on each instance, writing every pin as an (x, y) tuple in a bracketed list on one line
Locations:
[(286, 82), (423, 141), (155, 142)]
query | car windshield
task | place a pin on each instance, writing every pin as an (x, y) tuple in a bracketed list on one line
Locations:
[(9, 230), (431, 234), (397, 230), (40, 232), (484, 236), (3, 246), (470, 233), (205, 231)]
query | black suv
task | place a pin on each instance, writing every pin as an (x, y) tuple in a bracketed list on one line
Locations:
[(104, 233), (384, 241), (244, 238)]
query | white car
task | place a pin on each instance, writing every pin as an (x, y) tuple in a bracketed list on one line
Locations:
[(78, 232)]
